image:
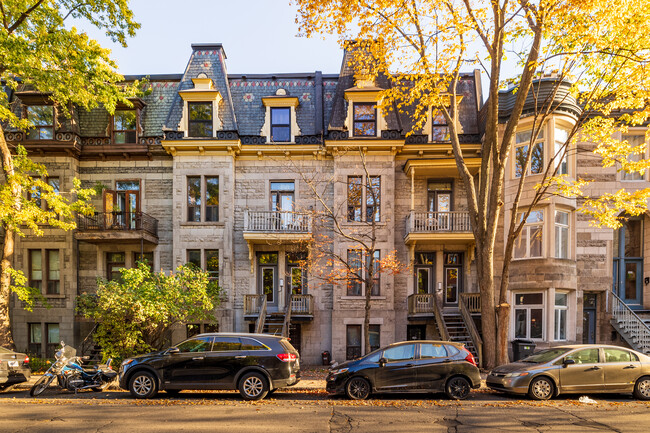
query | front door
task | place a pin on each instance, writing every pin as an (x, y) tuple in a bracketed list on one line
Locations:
[(589, 318), (399, 373), (453, 278), (282, 195), (127, 202), (423, 280), (628, 263), (267, 282), (439, 204), (587, 374)]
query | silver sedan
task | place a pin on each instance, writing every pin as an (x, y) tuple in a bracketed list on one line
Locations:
[(583, 369)]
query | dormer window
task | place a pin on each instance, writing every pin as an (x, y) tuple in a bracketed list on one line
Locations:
[(124, 127), (42, 116), (200, 119), (439, 127), (365, 120), (280, 124)]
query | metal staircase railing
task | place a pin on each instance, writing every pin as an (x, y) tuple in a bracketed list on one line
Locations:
[(631, 327)]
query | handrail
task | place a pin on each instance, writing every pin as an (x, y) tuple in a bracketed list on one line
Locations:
[(302, 304), (473, 301), (432, 222), (261, 318), (471, 326), (440, 321), (84, 343), (124, 220), (632, 324), (277, 221)]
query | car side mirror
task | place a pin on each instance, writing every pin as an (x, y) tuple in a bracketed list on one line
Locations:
[(382, 362), (173, 350), (568, 362)]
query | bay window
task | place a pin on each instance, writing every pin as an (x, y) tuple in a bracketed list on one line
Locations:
[(529, 315), (529, 242)]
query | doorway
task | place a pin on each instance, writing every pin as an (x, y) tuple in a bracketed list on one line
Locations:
[(453, 271), (282, 201), (439, 203), (267, 277), (121, 205), (628, 263), (590, 303), (416, 332)]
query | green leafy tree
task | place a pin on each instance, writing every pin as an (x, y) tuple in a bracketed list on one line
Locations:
[(136, 314), (41, 52)]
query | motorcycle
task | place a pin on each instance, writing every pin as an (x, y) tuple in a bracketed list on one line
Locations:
[(71, 375)]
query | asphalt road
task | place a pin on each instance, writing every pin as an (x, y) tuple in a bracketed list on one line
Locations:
[(311, 410)]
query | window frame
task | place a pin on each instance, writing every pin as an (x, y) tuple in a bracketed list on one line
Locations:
[(134, 131), (203, 261), (39, 127), (357, 212), (436, 124), (539, 141), (634, 176), (280, 125), (528, 308), (111, 264), (356, 121), (209, 123), (527, 231), (559, 311), (199, 211), (562, 234), (356, 288), (44, 283)]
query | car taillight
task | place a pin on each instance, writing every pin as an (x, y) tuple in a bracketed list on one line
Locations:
[(26, 360), (286, 357), (470, 358)]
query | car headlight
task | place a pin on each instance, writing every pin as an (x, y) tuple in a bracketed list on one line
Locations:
[(339, 371), (127, 361), (517, 374)]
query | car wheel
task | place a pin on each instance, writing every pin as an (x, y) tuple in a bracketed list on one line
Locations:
[(642, 388), (541, 388), (253, 386), (458, 388), (143, 385), (40, 385), (357, 388)]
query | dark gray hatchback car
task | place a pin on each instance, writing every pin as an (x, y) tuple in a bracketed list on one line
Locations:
[(254, 364)]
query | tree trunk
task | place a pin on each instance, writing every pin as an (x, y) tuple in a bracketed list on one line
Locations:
[(6, 339), (485, 271), (503, 317), (366, 317)]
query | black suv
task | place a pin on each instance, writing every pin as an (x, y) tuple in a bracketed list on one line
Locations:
[(255, 364)]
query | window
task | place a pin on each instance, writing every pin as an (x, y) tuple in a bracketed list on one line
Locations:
[(197, 188), (199, 344), (619, 355), (280, 124), (561, 302), (522, 141), (428, 350), (114, 263), (352, 341), (212, 199), (212, 264), (585, 356), (200, 119), (44, 271), (297, 272), (194, 198), (144, 257), (55, 184), (124, 127), (561, 234), (226, 344), (439, 127), (250, 344), (42, 116), (375, 272), (373, 335), (561, 146), (529, 243), (634, 141), (529, 315), (356, 198), (400, 353), (52, 339), (194, 258), (355, 265), (373, 198), (365, 120)]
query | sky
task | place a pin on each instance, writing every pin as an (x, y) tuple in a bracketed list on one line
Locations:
[(258, 36)]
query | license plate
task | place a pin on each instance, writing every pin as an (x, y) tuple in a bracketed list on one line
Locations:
[(13, 363)]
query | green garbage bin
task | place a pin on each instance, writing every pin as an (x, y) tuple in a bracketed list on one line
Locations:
[(522, 348)]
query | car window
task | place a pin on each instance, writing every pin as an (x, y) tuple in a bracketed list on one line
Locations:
[(619, 355), (250, 344), (226, 344), (373, 357), (585, 356), (199, 344), (428, 350), (451, 350), (544, 356), (400, 353)]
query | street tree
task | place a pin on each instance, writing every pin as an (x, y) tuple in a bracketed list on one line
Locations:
[(42, 51), (600, 48), (346, 247), (135, 313)]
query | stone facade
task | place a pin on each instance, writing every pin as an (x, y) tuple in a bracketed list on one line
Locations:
[(421, 197)]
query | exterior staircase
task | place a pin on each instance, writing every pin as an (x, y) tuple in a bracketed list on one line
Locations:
[(90, 348), (459, 333), (634, 329)]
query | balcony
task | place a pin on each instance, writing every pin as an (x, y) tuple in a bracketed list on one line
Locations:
[(109, 227), (276, 226), (302, 307), (439, 227)]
